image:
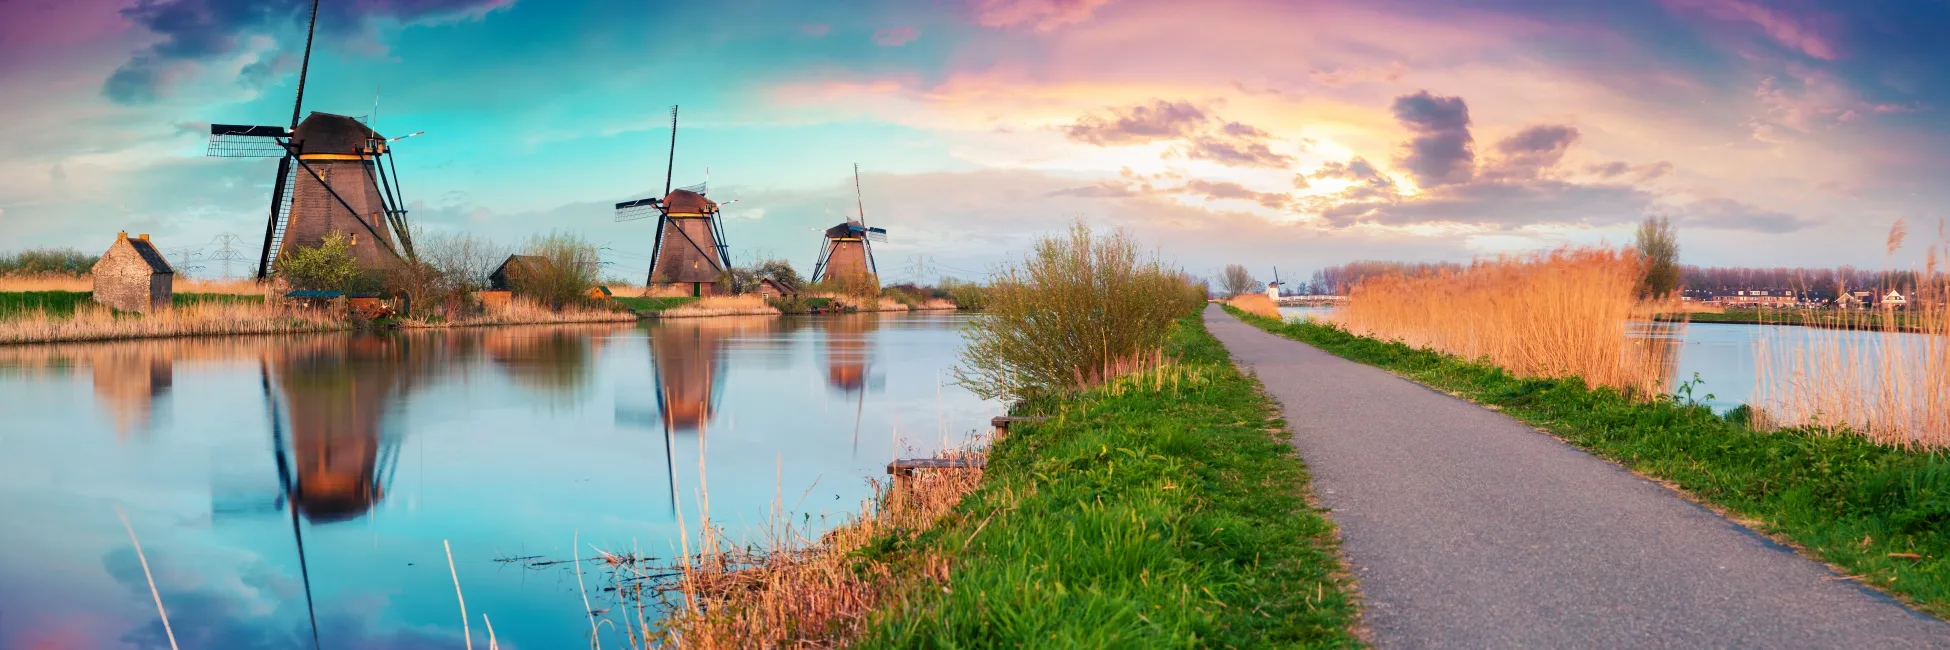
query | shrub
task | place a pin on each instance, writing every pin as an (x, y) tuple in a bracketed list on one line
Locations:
[(966, 295), (1077, 308), (326, 267), (47, 261), (567, 270)]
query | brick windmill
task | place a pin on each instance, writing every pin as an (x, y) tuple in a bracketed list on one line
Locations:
[(846, 250), (335, 175), (690, 251)]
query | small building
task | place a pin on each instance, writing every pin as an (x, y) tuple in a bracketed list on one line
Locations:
[(133, 276), (600, 292), (769, 288), (515, 270)]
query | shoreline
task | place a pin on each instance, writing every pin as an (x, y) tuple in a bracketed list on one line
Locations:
[(1786, 321)]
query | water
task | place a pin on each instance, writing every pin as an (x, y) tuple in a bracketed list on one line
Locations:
[(505, 443)]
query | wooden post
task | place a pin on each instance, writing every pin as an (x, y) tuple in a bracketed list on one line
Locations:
[(1001, 424)]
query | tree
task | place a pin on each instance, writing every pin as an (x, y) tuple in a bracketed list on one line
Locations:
[(1238, 280), (1660, 247), (329, 266), (565, 273)]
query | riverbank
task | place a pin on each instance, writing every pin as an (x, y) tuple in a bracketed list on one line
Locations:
[(1857, 320), (1877, 514)]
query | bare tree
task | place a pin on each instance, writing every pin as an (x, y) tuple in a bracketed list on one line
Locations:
[(1238, 280), (1660, 247)]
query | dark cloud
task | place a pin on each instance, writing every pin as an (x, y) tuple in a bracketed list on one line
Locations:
[(1640, 173), (1369, 183), (1531, 151), (1228, 190), (1442, 152), (193, 31), (1236, 152), (1161, 120), (1728, 214)]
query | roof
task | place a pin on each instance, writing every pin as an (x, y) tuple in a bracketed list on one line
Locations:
[(848, 228), (329, 133), (688, 202), (150, 255), (530, 262)]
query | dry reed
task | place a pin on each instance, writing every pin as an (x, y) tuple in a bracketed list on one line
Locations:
[(1255, 303), (525, 311), (1558, 314), (794, 591), (1884, 376), (746, 305), (98, 323), (83, 283)]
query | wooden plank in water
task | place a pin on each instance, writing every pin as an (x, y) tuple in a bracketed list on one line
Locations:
[(1003, 422), (909, 465)]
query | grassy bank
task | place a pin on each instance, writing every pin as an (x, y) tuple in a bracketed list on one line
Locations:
[(1861, 320), (1879, 514), (64, 303), (1161, 509), (652, 305)]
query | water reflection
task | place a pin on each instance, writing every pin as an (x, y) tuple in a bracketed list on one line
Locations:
[(275, 474)]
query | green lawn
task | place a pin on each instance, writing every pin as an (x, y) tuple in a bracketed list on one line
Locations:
[(1136, 517), (1879, 513), (62, 303)]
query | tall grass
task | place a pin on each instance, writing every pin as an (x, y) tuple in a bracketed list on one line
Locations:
[(749, 304), (1076, 307), (55, 282), (1884, 376), (97, 323), (1256, 304), (1558, 314), (522, 310)]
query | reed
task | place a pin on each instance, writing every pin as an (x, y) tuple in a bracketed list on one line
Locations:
[(1883, 375), (1562, 313), (746, 305), (527, 311), (1255, 303), (85, 283), (93, 322)]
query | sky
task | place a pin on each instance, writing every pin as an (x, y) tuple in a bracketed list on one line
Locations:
[(1292, 134)]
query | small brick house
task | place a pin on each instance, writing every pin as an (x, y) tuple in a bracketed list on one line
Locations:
[(769, 288), (133, 276)]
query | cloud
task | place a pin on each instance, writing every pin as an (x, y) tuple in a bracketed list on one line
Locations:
[(1098, 191), (1162, 120), (195, 31), (1236, 145), (1640, 173), (1442, 151), (1797, 33), (1341, 77), (1529, 152), (1041, 15), (1500, 206), (1228, 190), (1728, 214), (896, 36), (815, 30)]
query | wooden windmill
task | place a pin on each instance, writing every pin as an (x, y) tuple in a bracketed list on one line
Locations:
[(335, 175), (690, 253), (846, 250)]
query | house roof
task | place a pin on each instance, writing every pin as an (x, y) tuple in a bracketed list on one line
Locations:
[(530, 262), (849, 228), (150, 255), (330, 133)]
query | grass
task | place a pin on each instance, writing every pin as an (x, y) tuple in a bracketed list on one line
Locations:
[(652, 305), (64, 303), (746, 305), (1162, 508), (1255, 303), (1879, 514), (1852, 320), (93, 322)]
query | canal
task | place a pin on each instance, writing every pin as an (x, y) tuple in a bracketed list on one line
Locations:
[(373, 452)]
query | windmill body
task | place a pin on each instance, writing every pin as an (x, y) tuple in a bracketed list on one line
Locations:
[(846, 250), (338, 190), (690, 254)]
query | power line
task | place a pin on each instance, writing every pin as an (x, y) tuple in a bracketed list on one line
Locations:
[(227, 252)]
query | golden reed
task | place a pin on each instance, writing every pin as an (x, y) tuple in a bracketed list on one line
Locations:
[(1564, 313), (1256, 304)]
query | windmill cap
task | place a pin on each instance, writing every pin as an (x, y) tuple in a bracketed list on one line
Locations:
[(327, 133), (688, 202)]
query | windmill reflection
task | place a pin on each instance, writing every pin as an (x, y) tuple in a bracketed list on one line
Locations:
[(334, 393), (687, 358), (848, 349)]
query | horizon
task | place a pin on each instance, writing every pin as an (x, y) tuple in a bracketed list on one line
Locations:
[(1774, 134)]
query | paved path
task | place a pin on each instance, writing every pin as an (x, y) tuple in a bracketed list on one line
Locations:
[(1467, 529)]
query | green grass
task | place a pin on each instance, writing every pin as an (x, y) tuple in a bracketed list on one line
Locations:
[(652, 305), (1152, 518), (63, 303), (1844, 500)]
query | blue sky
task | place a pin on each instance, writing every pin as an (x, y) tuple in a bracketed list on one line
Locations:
[(1296, 134)]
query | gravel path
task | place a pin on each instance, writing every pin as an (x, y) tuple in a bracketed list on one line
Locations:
[(1468, 529)]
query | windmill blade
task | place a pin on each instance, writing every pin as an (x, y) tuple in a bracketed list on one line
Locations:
[(877, 234), (638, 209), (700, 188), (246, 141)]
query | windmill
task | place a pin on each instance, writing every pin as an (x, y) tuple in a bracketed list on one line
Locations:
[(1273, 288), (690, 252), (335, 175), (846, 250)]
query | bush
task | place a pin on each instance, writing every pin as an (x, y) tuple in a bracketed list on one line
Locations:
[(567, 271), (47, 261), (326, 267), (966, 295), (1078, 307)]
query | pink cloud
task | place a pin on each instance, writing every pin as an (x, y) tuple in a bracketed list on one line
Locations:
[(815, 30), (1042, 15), (896, 36), (1799, 34)]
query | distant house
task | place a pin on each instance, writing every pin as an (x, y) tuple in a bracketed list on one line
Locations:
[(1894, 299), (514, 270), (769, 288), (1757, 298), (133, 276)]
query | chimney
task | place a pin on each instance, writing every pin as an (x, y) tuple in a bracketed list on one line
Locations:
[(143, 236), (122, 236)]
